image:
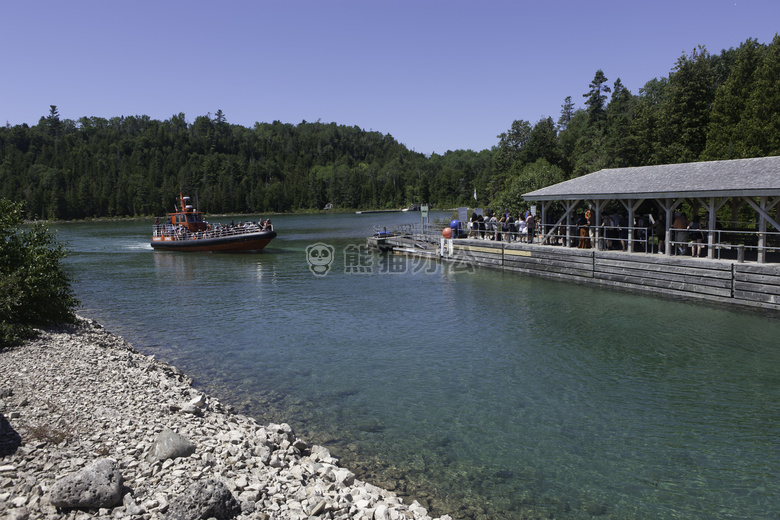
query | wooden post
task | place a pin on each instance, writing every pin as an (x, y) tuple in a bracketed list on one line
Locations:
[(597, 226), (762, 231), (711, 226), (630, 226)]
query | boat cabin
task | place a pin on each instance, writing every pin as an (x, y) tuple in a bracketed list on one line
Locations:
[(187, 216)]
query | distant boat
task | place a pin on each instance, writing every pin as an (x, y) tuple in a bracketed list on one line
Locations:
[(412, 207), (186, 230)]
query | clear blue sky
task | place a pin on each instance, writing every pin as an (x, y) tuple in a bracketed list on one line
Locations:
[(436, 75)]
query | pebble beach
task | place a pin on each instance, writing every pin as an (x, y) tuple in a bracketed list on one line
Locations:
[(91, 428)]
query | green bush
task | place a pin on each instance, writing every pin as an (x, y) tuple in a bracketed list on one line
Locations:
[(34, 289)]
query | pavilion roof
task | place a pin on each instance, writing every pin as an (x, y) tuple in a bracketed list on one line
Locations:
[(740, 177)]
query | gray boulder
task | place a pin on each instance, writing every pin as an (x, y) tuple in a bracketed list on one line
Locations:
[(205, 499), (95, 486), (170, 445)]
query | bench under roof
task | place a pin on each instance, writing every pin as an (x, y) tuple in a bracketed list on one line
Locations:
[(735, 178)]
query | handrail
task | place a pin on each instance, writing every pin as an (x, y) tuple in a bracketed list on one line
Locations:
[(642, 239), (728, 239), (171, 232)]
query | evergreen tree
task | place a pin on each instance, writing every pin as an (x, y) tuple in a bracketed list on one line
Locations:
[(762, 114), (686, 108), (542, 144), (646, 122), (596, 98), (727, 133), (590, 151), (619, 143), (567, 113)]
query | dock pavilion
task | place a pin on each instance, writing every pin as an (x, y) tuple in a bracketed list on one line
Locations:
[(708, 186)]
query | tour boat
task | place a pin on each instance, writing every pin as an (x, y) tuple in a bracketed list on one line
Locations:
[(186, 230)]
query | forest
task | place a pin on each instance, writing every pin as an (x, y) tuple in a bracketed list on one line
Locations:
[(709, 107)]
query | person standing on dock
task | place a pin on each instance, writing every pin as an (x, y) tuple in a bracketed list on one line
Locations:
[(696, 236), (530, 225), (659, 230), (680, 225), (590, 221)]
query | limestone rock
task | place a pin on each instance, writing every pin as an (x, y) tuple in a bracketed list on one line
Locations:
[(203, 500), (97, 485), (170, 445)]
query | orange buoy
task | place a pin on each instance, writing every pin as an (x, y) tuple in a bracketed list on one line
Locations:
[(447, 232)]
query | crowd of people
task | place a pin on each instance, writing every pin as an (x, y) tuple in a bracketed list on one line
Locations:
[(508, 227), (612, 233), (180, 232)]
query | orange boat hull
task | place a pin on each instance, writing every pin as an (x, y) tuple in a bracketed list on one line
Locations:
[(228, 244)]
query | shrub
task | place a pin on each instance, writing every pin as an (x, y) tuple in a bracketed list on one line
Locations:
[(34, 289)]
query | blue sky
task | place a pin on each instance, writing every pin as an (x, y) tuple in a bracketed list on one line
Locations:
[(436, 75)]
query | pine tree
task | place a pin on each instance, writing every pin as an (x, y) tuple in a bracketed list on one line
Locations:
[(762, 121), (727, 131)]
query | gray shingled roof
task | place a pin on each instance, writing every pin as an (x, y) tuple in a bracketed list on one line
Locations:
[(741, 177)]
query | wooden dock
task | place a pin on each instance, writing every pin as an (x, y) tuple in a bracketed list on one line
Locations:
[(724, 281)]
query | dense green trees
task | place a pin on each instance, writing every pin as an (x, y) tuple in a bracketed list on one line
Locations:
[(710, 107), (136, 166), (34, 289)]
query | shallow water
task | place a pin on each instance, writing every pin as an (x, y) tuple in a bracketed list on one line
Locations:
[(484, 394)]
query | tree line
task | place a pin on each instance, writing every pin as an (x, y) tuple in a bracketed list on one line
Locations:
[(709, 107)]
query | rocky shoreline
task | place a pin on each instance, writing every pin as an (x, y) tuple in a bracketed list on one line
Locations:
[(91, 428)]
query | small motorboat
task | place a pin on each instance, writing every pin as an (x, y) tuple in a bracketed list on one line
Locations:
[(186, 230)]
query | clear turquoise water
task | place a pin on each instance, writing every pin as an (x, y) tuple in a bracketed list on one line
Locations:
[(483, 394)]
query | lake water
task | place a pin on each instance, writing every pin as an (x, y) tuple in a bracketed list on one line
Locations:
[(483, 394)]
